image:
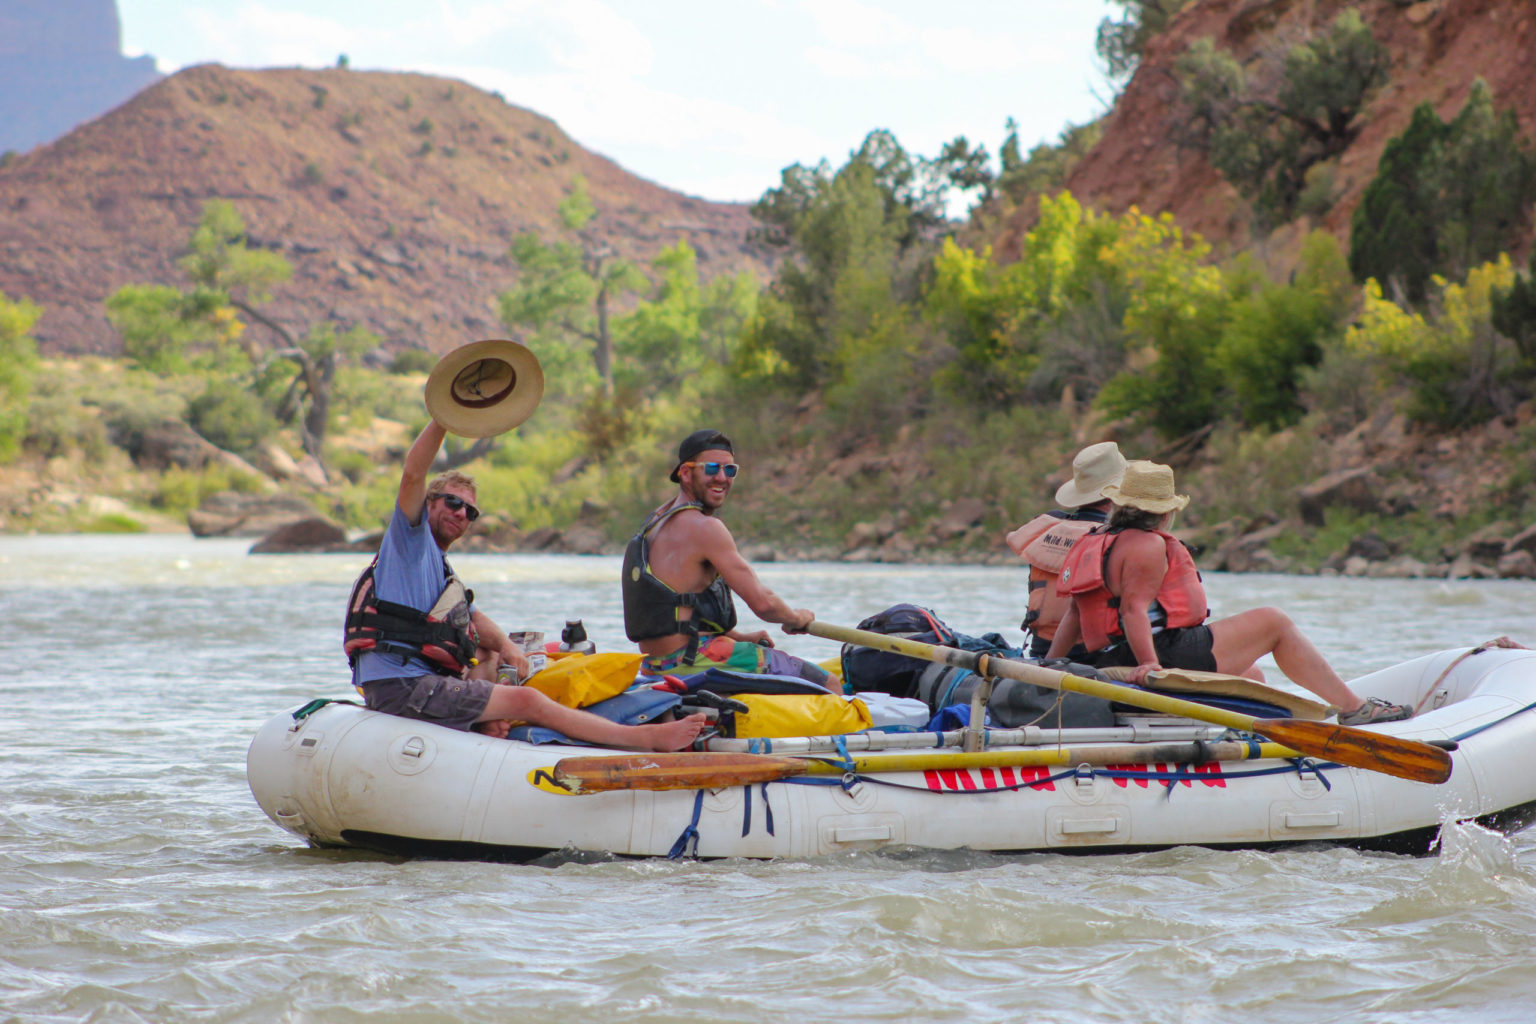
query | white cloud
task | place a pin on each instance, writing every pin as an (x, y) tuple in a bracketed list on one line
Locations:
[(714, 98), (257, 35), (849, 23)]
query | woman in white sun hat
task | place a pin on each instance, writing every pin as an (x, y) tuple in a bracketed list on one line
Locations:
[(1137, 600), (1044, 541)]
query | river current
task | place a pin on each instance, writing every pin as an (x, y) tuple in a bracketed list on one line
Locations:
[(139, 881)]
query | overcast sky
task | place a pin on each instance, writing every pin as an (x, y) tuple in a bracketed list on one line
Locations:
[(709, 97)]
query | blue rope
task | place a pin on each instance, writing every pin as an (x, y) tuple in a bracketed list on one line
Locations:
[(318, 703), (1174, 776), (1490, 725), (843, 761), (687, 844)]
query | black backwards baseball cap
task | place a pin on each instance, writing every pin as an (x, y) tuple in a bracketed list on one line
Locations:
[(700, 441)]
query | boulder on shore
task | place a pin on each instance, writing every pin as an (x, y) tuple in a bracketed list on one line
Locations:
[(232, 514), (306, 535), (1357, 489)]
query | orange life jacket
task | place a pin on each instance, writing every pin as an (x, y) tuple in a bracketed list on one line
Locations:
[(1180, 600), (1044, 542)]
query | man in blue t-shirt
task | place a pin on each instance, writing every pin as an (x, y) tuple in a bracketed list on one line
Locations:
[(416, 667)]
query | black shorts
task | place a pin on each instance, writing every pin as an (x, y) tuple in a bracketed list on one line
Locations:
[(1186, 647), (445, 700)]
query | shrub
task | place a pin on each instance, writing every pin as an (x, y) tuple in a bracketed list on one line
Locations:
[(412, 360), (181, 490), (18, 357), (58, 426), (234, 420), (1457, 367)]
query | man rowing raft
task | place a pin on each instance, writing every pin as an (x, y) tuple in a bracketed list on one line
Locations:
[(681, 570)]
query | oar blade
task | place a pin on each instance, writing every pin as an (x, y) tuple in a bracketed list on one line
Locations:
[(1361, 748), (672, 771)]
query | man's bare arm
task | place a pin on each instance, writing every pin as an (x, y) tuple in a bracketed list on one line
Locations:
[(718, 547), (418, 463), (492, 637)]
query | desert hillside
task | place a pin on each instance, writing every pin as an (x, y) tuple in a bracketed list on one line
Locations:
[(1438, 49), (394, 197)]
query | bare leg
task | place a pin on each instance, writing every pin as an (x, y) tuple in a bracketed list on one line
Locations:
[(519, 703), (1239, 641), (486, 663)]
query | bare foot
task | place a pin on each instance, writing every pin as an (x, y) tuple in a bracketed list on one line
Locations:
[(496, 728), (677, 735)]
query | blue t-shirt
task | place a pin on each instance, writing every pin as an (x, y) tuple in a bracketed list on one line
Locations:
[(409, 572)]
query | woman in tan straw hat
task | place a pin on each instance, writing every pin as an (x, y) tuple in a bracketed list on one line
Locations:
[(1137, 600)]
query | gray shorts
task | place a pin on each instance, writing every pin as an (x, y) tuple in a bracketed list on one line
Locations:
[(443, 700)]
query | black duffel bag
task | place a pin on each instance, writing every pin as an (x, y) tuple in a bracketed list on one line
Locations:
[(866, 670)]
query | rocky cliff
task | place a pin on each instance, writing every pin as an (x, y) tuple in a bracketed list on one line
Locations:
[(394, 196), (1438, 47), (61, 63)]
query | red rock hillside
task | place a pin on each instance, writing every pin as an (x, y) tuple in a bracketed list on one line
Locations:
[(394, 196), (1439, 48)]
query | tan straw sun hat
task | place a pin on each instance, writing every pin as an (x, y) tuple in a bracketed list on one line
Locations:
[(485, 388), (1093, 469), (1147, 486)]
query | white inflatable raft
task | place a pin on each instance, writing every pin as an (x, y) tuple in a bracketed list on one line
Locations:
[(343, 776)]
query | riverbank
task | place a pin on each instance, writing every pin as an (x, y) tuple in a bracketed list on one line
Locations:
[(1379, 497)]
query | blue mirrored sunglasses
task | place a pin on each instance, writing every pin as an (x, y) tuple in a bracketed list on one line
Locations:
[(711, 468), (455, 503)]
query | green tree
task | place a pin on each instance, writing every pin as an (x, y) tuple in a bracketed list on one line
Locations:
[(1177, 311), (18, 360), (567, 288), (1392, 233), (851, 233), (1121, 43), (1513, 313), (1487, 182), (1265, 130), (1445, 198), (161, 325), (688, 329), (1047, 165), (221, 261), (1014, 326), (1275, 333)]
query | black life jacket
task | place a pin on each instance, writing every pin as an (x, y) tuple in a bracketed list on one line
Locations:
[(651, 607), (444, 636)]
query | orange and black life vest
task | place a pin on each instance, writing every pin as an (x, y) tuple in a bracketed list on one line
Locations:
[(1180, 600), (1044, 542), (443, 636)]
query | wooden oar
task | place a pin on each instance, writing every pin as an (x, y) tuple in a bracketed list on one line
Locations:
[(1357, 748), (720, 771)]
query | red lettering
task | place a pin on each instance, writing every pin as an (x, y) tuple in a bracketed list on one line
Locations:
[(939, 780), (1212, 768)]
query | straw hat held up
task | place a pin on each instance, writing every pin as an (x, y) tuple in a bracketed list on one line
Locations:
[(1147, 486), (484, 388)]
